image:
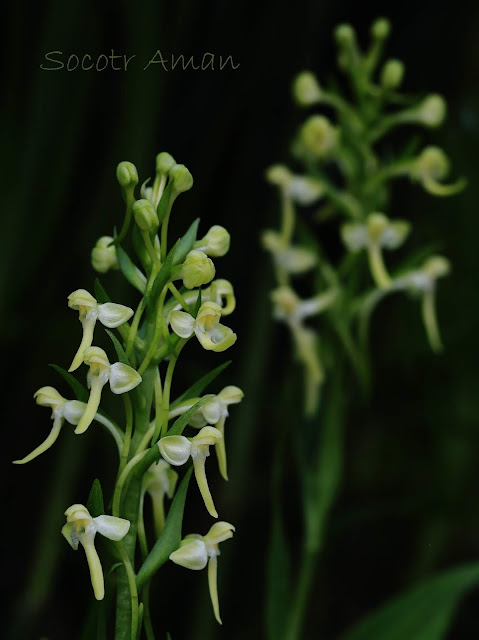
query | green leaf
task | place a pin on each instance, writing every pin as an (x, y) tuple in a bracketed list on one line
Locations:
[(166, 202), (180, 423), (186, 242), (197, 306), (95, 503), (78, 389), (129, 270), (164, 274), (114, 567), (120, 352), (424, 612), (100, 293), (198, 387), (170, 537), (278, 579)]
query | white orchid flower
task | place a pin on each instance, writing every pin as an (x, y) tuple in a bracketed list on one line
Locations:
[(82, 528), (121, 377), (195, 552), (215, 243), (177, 450), (111, 315), (213, 412), (69, 410), (212, 335), (292, 259), (374, 235)]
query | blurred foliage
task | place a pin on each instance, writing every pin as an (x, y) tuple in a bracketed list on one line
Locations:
[(409, 500)]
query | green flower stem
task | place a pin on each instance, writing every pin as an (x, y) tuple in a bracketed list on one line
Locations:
[(115, 431), (158, 188), (179, 297), (319, 493), (377, 266), (288, 219), (160, 329), (134, 328), (164, 231), (130, 200), (128, 431), (141, 528), (151, 250), (116, 504), (158, 405), (145, 440), (428, 310), (165, 407), (133, 591), (147, 624)]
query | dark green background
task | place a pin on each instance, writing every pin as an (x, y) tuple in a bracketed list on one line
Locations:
[(410, 498)]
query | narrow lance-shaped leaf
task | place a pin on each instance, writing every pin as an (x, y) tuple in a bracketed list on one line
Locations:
[(179, 425), (129, 270), (164, 274), (424, 612), (95, 503), (100, 293), (78, 389), (170, 538), (120, 352), (186, 242)]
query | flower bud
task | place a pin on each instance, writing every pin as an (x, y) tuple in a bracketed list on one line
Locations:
[(344, 34), (319, 136), (392, 74), (164, 162), (145, 215), (279, 175), (432, 111), (103, 255), (433, 163), (197, 269), (216, 242), (127, 175), (306, 89), (182, 178), (380, 29)]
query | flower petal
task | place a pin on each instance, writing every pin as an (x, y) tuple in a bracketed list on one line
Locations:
[(123, 378), (182, 323), (111, 527), (113, 315), (212, 411), (175, 449), (219, 532), (69, 534), (191, 554)]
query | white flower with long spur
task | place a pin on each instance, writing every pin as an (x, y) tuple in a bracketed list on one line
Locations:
[(110, 314), (195, 552), (82, 528)]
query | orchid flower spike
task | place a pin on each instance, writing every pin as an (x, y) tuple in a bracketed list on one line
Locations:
[(111, 315), (195, 552), (432, 166), (213, 412), (216, 243), (212, 335), (121, 377), (423, 281), (82, 528), (158, 481), (176, 450), (374, 235), (291, 259)]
